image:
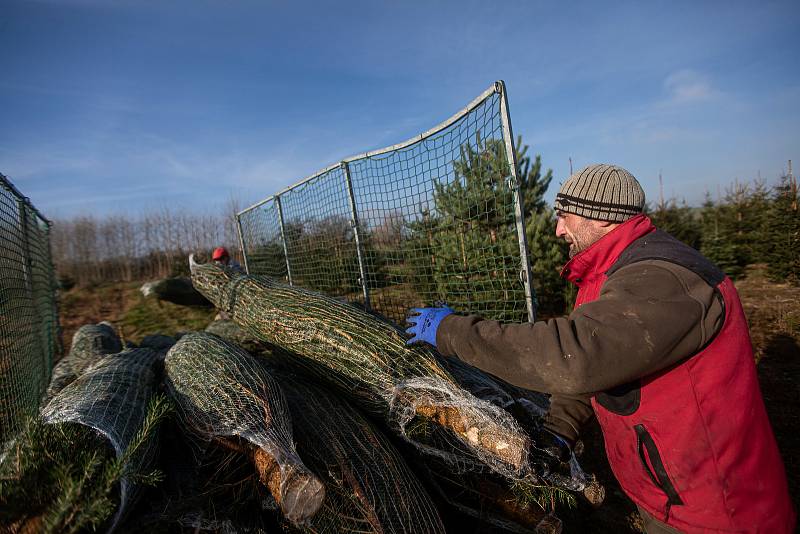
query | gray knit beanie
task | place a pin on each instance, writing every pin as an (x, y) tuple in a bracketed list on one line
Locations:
[(602, 192)]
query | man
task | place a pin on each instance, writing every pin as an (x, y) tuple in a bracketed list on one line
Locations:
[(659, 344), (221, 257)]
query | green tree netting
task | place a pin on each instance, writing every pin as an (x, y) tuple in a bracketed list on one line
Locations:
[(370, 488), (29, 330), (225, 396), (227, 329), (112, 397), (434, 218), (368, 359), (90, 343)]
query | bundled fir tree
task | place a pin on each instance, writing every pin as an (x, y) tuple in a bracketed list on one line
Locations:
[(66, 477)]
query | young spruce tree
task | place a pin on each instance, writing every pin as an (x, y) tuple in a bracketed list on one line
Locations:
[(783, 233), (465, 251)]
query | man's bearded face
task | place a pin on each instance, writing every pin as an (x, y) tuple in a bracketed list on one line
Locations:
[(579, 232)]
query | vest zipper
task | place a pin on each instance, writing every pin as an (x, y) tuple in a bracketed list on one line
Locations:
[(658, 473)]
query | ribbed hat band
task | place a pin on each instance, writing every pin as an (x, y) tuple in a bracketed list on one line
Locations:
[(602, 192)]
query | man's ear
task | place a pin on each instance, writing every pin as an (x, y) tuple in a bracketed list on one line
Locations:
[(605, 224)]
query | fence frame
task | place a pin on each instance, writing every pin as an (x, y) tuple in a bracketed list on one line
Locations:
[(525, 266), (283, 239), (525, 273), (29, 215)]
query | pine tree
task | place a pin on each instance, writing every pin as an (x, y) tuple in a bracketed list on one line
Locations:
[(680, 221), (719, 242), (782, 231), (465, 251), (549, 254)]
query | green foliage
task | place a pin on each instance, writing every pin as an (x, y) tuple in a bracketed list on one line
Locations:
[(548, 254), (323, 256), (527, 493), (680, 221), (466, 251), (67, 474), (267, 258), (150, 315), (782, 230), (719, 243)]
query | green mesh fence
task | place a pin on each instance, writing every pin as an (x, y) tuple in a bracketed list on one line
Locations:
[(437, 218), (29, 330)]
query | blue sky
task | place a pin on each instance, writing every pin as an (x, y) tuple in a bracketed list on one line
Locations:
[(125, 106)]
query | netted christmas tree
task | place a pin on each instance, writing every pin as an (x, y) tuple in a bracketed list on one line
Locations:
[(82, 464), (369, 360), (89, 343), (370, 487), (227, 399)]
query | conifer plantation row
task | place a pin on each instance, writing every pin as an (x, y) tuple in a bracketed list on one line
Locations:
[(752, 222)]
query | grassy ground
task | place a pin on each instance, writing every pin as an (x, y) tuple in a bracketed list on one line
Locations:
[(126, 308), (773, 311)]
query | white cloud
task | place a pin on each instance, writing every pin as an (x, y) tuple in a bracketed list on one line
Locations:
[(685, 86)]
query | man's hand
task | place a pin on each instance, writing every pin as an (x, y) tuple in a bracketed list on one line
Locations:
[(424, 323), (552, 450)]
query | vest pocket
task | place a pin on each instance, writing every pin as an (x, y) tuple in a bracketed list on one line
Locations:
[(623, 399), (654, 466)]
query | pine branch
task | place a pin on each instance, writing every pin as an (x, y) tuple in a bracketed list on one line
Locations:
[(68, 473), (545, 497)]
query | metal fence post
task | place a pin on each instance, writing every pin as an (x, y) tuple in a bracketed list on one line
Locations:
[(26, 247), (354, 224), (525, 266), (283, 240), (241, 242), (58, 340)]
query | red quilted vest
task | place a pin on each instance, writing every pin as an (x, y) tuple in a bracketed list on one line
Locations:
[(691, 444)]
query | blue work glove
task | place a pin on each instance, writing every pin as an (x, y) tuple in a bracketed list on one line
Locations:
[(550, 451), (425, 322)]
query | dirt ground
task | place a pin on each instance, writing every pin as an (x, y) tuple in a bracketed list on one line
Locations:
[(773, 312)]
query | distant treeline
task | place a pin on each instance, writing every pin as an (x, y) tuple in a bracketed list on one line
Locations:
[(751, 223), (90, 250)]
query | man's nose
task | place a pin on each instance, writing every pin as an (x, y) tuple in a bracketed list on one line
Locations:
[(560, 230)]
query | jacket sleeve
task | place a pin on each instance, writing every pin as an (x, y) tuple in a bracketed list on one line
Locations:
[(649, 315), (568, 414)]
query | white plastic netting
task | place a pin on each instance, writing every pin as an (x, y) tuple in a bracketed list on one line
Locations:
[(368, 360), (90, 343), (529, 408), (112, 397), (370, 487), (226, 397)]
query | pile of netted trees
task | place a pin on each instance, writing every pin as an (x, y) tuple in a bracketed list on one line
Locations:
[(300, 413)]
